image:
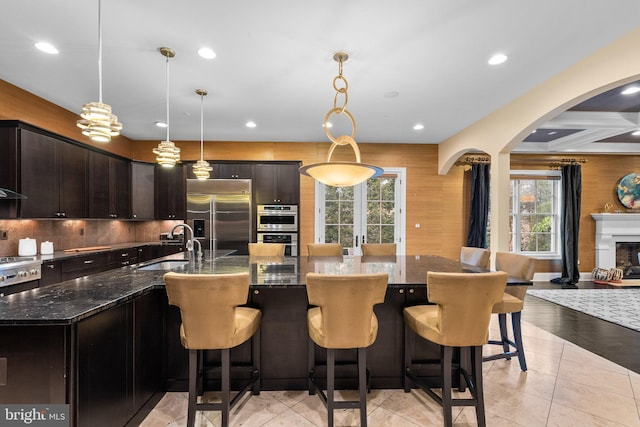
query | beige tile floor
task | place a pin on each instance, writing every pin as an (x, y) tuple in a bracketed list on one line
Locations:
[(564, 386)]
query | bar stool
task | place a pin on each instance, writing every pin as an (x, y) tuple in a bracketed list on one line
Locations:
[(522, 267), (213, 320), (343, 319), (324, 249), (266, 249), (478, 257), (459, 317), (378, 249)]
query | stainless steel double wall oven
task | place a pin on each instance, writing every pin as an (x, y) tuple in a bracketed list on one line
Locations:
[(278, 224)]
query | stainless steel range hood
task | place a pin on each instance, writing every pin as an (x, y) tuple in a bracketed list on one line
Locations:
[(7, 194)]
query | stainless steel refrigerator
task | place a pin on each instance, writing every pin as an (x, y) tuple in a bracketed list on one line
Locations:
[(219, 212)]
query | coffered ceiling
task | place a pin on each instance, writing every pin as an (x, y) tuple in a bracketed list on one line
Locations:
[(411, 62)]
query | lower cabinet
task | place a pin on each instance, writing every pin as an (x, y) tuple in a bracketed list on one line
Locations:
[(119, 361)]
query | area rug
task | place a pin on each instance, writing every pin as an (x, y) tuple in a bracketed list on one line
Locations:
[(620, 306)]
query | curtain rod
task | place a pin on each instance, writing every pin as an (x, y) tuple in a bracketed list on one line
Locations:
[(553, 163), (472, 160)]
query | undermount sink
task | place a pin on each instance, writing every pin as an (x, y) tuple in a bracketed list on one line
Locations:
[(164, 265)]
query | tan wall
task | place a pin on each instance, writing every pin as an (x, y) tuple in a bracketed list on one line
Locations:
[(600, 175), (18, 104), (433, 201)]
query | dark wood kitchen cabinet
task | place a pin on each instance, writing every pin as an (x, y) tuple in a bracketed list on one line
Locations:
[(50, 273), (109, 186), (232, 170), (142, 191), (119, 361), (276, 182), (53, 175), (170, 192)]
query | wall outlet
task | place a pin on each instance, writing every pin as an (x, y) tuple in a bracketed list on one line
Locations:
[(4, 234)]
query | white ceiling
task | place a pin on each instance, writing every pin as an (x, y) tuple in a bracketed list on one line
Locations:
[(274, 61)]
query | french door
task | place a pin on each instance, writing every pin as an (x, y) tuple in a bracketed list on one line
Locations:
[(371, 212)]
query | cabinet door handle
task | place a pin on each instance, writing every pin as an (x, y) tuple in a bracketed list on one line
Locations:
[(411, 290), (89, 261), (401, 291), (123, 255), (51, 266)]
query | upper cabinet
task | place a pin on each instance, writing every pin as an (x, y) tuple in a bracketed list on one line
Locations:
[(53, 176), (170, 192), (109, 187), (232, 170), (142, 191), (276, 182)]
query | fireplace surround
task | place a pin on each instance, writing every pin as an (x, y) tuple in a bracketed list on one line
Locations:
[(618, 242)]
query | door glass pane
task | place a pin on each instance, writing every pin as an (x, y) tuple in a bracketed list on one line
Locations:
[(339, 215), (380, 215)]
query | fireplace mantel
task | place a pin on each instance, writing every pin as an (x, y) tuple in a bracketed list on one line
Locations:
[(612, 228)]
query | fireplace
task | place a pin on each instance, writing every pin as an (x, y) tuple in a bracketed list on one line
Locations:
[(628, 259), (618, 242)]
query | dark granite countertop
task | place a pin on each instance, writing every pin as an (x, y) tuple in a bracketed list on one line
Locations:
[(71, 301), (58, 255)]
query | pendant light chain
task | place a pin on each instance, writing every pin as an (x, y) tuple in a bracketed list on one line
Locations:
[(201, 168), (100, 51), (167, 154), (202, 125), (97, 120)]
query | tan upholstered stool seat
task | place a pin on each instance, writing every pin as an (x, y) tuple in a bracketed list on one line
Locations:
[(343, 319), (318, 334), (457, 318), (213, 319), (324, 249), (522, 267), (378, 249), (266, 249), (247, 322), (509, 304)]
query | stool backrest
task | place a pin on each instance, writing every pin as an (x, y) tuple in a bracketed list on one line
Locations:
[(465, 301), (266, 249), (378, 249), (478, 257), (347, 304), (516, 265), (207, 305), (324, 249)]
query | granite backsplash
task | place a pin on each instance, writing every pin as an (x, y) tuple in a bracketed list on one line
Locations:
[(78, 233)]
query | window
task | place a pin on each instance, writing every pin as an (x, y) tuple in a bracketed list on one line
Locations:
[(534, 216), (371, 212)]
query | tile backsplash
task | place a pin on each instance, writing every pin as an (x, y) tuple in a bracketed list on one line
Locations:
[(69, 234)]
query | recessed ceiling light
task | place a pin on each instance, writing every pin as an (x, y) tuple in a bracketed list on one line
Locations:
[(635, 133), (418, 126), (328, 124), (206, 53), (250, 124), (161, 124), (498, 58), (47, 48), (631, 90)]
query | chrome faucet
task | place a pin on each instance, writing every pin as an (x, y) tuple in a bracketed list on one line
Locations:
[(189, 244)]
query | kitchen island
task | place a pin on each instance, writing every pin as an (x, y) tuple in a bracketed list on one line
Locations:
[(108, 344)]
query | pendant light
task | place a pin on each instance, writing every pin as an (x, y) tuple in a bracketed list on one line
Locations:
[(201, 168), (98, 122), (341, 174), (167, 154)]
